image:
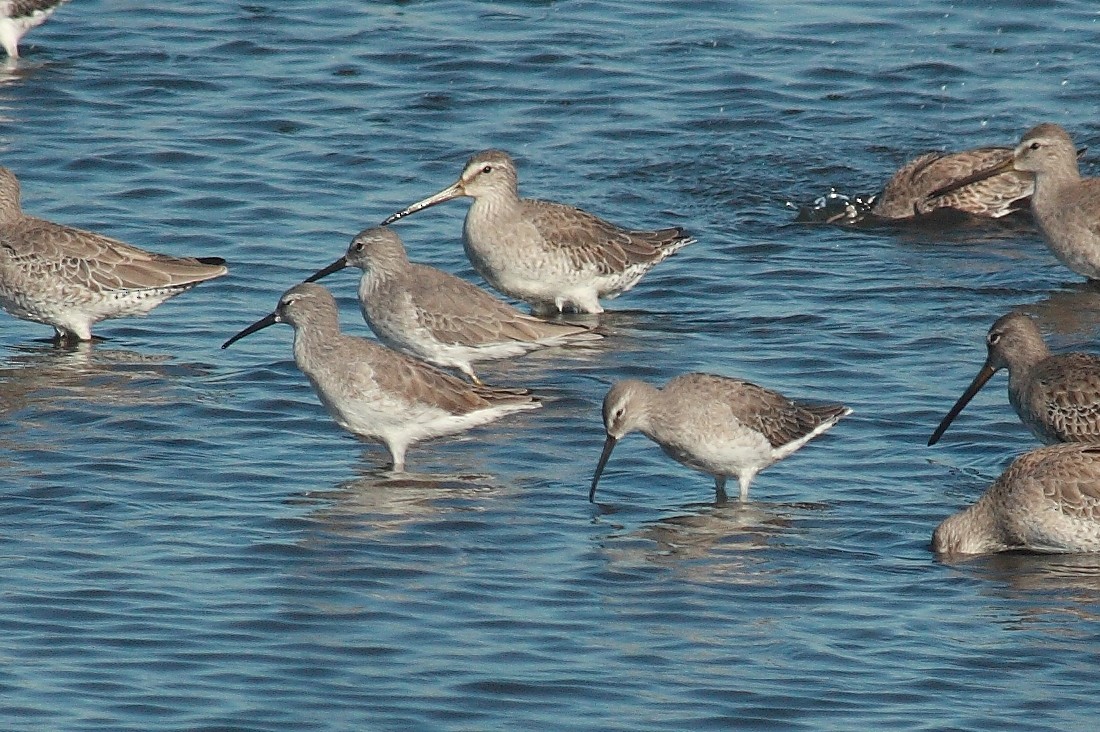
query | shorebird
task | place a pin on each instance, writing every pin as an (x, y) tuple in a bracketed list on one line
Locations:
[(550, 255), (1047, 501), (435, 316), (909, 192), (714, 424), (1056, 396), (69, 278), (374, 392), (17, 17), (1065, 206)]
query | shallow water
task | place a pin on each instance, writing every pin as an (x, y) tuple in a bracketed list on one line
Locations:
[(187, 541)]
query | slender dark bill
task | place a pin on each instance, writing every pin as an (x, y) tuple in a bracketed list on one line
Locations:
[(336, 266), (448, 193), (975, 386), (608, 446), (973, 178), (260, 324)]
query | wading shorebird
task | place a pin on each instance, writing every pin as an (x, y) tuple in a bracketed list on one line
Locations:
[(17, 17), (1056, 395), (550, 255), (908, 193), (1047, 501), (435, 316), (71, 279), (374, 392), (714, 424), (1065, 206)]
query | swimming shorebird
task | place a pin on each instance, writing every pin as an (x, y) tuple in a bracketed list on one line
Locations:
[(17, 17), (71, 279), (374, 392), (550, 255), (714, 424), (1047, 501), (1065, 206), (908, 193), (1056, 396), (435, 316)]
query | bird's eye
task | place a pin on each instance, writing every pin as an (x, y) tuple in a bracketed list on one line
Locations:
[(1034, 146), (993, 338), (358, 246), (487, 169)]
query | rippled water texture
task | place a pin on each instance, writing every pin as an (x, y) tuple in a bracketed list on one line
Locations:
[(188, 542)]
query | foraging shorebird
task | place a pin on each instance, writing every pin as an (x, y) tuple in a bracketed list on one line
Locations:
[(1047, 501), (71, 279), (1056, 396), (550, 255), (908, 193), (435, 316), (714, 424), (374, 392)]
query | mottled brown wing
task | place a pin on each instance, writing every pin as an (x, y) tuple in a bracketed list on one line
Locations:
[(1069, 387), (589, 239), (98, 261), (1069, 476)]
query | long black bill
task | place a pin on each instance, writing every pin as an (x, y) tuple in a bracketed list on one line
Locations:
[(975, 386), (260, 324), (608, 446), (336, 266)]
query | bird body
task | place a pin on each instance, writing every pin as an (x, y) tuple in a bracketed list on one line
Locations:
[(1048, 500), (435, 316), (71, 279), (17, 17), (714, 424), (907, 193), (553, 256), (374, 392)]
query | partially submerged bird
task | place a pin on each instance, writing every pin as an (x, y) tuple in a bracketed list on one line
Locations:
[(909, 193), (69, 278), (714, 424), (435, 316), (550, 255), (17, 17), (1065, 206), (1056, 396), (1047, 501), (374, 392)]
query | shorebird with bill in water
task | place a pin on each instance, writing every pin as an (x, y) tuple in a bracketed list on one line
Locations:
[(714, 424), (908, 193), (374, 392), (553, 256), (1048, 500), (435, 316), (1056, 395), (71, 279)]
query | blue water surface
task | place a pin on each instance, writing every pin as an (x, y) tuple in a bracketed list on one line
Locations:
[(188, 542)]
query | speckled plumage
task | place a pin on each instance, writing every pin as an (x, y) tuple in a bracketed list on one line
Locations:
[(433, 315), (1056, 396), (908, 193), (551, 255), (17, 17), (374, 392), (714, 424), (1048, 501), (71, 279)]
